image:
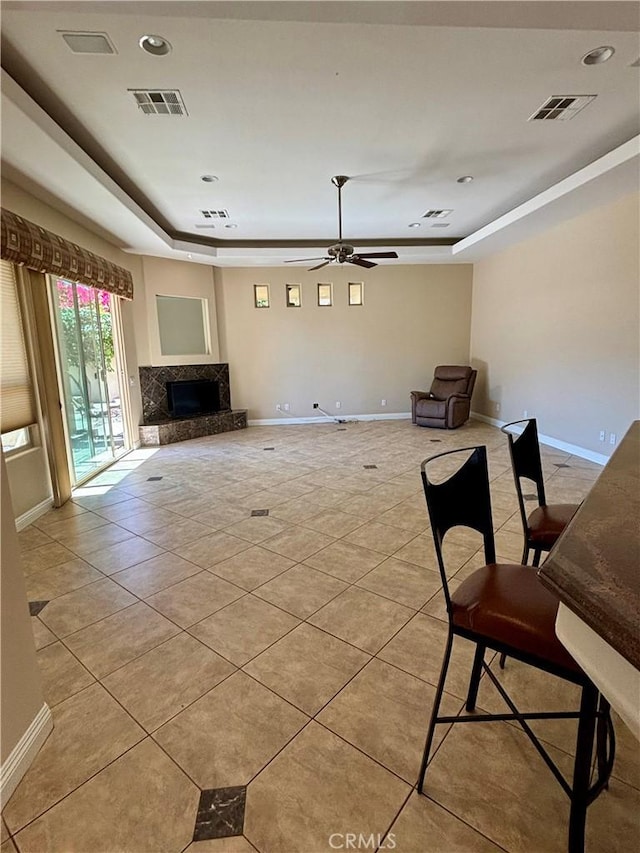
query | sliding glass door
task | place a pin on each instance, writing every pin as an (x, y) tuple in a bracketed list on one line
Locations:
[(86, 324)]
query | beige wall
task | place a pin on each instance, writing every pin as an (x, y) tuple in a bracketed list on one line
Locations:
[(165, 277), (413, 318), (28, 479), (555, 327), (21, 696)]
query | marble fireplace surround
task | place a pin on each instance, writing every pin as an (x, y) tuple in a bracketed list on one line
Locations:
[(159, 428)]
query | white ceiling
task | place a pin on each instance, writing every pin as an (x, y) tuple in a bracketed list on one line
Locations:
[(402, 97)]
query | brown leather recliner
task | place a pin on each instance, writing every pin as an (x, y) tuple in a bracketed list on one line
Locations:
[(448, 403)]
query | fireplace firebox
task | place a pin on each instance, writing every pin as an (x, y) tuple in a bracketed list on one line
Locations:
[(187, 398)]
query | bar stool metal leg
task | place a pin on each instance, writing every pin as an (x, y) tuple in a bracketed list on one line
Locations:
[(474, 682), (582, 768), (434, 711)]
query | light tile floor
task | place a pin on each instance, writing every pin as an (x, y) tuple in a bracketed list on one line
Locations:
[(189, 644)]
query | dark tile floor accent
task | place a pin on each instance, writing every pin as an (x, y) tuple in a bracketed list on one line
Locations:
[(561, 465), (36, 607), (268, 448), (255, 512), (530, 497), (341, 429), (220, 813), (369, 466), (153, 479), (435, 440)]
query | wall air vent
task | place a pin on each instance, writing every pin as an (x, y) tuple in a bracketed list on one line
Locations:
[(436, 214), (215, 214), (561, 107), (160, 102), (87, 42)]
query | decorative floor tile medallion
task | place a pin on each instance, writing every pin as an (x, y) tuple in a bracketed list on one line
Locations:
[(255, 512), (220, 813)]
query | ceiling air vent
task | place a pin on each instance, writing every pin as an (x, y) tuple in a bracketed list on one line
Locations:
[(206, 225), (436, 214), (441, 224), (88, 42), (215, 214), (561, 107), (160, 101)]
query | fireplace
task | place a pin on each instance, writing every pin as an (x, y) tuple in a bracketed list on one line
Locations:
[(186, 401), (154, 382)]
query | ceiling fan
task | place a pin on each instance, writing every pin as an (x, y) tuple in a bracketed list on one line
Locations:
[(344, 253)]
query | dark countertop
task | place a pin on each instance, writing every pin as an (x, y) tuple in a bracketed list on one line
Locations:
[(594, 567)]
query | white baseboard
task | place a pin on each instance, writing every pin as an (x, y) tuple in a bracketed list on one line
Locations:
[(19, 759), (572, 449), (392, 416), (33, 514)]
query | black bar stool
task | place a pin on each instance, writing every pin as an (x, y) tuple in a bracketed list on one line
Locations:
[(505, 608), (543, 525)]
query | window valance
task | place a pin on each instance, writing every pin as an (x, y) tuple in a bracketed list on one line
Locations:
[(29, 245)]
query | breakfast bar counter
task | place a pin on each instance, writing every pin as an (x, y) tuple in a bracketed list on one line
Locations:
[(594, 569)]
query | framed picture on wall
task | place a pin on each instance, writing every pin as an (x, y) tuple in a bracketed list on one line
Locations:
[(261, 295), (293, 295), (356, 293)]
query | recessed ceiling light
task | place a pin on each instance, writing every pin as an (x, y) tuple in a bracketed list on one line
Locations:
[(415, 224), (230, 225), (209, 179), (465, 179), (598, 55), (155, 45)]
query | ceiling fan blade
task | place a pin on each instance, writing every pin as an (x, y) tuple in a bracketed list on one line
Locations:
[(319, 265), (377, 254), (306, 260), (355, 259)]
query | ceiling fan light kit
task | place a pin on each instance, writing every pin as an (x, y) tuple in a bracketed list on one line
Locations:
[(342, 252)]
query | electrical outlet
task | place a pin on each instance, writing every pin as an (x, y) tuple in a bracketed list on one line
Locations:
[(286, 407), (612, 438), (278, 407), (383, 402), (497, 408), (603, 435), (525, 414), (338, 404), (316, 405)]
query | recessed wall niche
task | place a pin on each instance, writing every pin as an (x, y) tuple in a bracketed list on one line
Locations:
[(356, 293), (183, 325)]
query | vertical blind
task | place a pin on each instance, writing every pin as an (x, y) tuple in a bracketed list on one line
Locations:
[(16, 392)]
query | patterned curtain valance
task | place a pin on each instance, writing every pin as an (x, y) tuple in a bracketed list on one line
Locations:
[(29, 245)]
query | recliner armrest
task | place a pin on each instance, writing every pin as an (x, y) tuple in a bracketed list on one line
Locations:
[(415, 396)]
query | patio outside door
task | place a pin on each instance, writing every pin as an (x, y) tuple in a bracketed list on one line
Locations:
[(90, 373)]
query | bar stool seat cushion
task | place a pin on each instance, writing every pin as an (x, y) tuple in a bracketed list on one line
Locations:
[(507, 603), (546, 523)]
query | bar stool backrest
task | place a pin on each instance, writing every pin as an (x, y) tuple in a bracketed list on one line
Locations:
[(461, 500), (525, 458)]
